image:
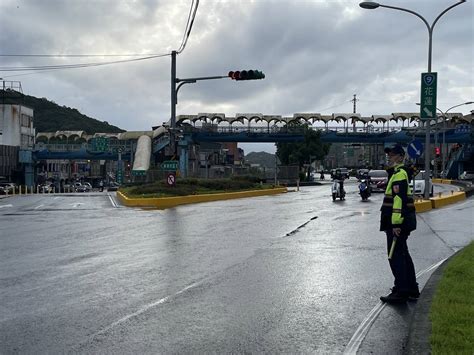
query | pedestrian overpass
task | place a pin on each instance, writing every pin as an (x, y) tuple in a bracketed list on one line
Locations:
[(327, 135), (257, 128)]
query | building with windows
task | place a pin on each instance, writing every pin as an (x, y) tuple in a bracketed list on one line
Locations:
[(17, 138)]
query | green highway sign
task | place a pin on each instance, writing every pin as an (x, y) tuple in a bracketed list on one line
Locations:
[(429, 82), (120, 176), (100, 144), (170, 165), (139, 172)]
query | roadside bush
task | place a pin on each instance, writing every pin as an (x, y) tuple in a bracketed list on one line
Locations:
[(191, 186)]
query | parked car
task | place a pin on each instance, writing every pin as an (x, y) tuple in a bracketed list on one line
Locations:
[(82, 187), (46, 188), (378, 180), (420, 184)]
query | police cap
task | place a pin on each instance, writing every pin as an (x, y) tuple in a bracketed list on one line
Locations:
[(397, 149)]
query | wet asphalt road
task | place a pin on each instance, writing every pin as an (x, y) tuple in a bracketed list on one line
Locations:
[(294, 273)]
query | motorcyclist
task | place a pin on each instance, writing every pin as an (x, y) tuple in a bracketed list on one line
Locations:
[(364, 185), (338, 176), (321, 177), (366, 177)]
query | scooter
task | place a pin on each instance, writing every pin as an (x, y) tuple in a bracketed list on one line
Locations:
[(364, 190), (336, 190)]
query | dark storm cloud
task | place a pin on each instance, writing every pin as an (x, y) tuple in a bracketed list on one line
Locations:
[(315, 54)]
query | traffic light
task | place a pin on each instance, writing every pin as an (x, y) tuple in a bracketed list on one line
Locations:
[(437, 152), (246, 75)]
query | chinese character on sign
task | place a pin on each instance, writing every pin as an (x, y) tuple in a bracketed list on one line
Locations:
[(428, 101)]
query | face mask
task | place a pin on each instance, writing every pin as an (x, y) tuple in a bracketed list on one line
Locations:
[(393, 162)]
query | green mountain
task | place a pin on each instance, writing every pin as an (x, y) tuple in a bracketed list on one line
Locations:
[(51, 117), (263, 158)]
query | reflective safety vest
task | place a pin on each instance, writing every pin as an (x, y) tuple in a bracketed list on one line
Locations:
[(398, 202)]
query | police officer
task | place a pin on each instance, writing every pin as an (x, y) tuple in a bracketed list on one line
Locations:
[(398, 220)]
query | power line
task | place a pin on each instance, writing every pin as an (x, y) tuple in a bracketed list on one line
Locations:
[(188, 30), (75, 66), (77, 55), (187, 24), (44, 68), (338, 105)]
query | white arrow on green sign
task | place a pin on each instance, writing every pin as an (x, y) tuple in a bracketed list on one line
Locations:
[(429, 82)]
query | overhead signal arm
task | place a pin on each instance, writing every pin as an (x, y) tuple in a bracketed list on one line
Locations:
[(234, 75)]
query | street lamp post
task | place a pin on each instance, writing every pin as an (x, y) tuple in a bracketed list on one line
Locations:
[(373, 5), (443, 143), (444, 151)]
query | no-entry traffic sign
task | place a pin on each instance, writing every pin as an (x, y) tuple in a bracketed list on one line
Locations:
[(171, 179)]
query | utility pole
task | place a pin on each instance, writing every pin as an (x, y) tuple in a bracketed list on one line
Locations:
[(354, 110), (173, 103), (354, 100)]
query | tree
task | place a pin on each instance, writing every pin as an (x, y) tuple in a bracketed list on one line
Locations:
[(301, 152)]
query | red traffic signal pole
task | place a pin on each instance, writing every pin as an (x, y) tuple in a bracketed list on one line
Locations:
[(253, 74), (174, 96)]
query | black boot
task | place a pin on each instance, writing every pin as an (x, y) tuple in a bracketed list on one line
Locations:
[(395, 297), (413, 295)]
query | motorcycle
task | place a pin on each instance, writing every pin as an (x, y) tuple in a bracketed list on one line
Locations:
[(336, 190), (364, 190)]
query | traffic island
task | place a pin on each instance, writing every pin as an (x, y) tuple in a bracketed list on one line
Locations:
[(444, 200), (423, 206), (168, 202), (439, 201)]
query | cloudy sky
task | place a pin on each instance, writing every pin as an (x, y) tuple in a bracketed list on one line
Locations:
[(316, 54)]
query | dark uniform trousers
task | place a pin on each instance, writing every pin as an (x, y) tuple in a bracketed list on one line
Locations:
[(401, 263)]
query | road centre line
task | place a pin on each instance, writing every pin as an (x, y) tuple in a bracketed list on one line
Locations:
[(144, 309), (112, 201), (363, 329)]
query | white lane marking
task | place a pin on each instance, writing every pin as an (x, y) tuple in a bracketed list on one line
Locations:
[(2, 206), (112, 201), (56, 197), (364, 327), (144, 309), (38, 207)]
